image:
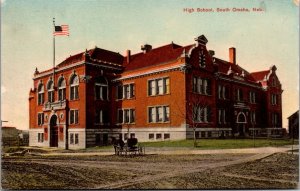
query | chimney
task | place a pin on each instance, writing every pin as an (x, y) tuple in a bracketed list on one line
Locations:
[(211, 52), (232, 58), (128, 56), (146, 48)]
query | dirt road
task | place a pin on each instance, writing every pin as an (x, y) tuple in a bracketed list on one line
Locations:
[(153, 171)]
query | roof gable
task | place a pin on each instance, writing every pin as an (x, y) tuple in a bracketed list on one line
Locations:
[(155, 56)]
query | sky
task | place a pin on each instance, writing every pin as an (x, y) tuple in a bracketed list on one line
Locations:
[(261, 39)]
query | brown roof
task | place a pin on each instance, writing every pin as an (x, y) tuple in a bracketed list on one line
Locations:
[(224, 66), (97, 54), (155, 56), (259, 76)]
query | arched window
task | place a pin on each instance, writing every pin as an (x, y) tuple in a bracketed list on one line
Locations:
[(61, 89), (74, 83), (101, 88), (41, 94), (50, 89)]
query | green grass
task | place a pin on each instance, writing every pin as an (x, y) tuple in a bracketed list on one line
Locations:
[(221, 143)]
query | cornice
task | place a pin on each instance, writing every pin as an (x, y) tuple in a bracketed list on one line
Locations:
[(151, 72)]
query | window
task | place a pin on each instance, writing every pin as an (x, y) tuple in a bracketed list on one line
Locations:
[(222, 116), (202, 133), (41, 94), (74, 138), (151, 136), (125, 136), (202, 59), (222, 92), (61, 89), (50, 89), (159, 114), (120, 116), (209, 134), (166, 136), (99, 117), (126, 115), (158, 136), (40, 119), (239, 95), (274, 81), (40, 137), (101, 88), (159, 86), (71, 138), (253, 117), (202, 86), (74, 87), (201, 114), (273, 99), (252, 97), (126, 91), (73, 116), (275, 119)]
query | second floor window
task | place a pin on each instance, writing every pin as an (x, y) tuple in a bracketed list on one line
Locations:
[(61, 89), (50, 89), (202, 86), (252, 97), (74, 94), (239, 95), (73, 116), (101, 88), (126, 115), (159, 114), (222, 92), (126, 91), (159, 86), (41, 94), (40, 119)]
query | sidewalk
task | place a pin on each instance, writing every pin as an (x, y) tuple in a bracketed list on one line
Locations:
[(181, 151)]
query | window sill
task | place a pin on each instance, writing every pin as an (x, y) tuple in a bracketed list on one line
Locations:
[(125, 123), (202, 94), (166, 122), (123, 99), (158, 95)]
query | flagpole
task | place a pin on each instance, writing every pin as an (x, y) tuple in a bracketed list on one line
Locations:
[(54, 53)]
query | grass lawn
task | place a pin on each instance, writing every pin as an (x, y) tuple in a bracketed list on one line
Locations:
[(221, 143)]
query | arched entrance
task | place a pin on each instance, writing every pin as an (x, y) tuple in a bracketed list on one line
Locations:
[(241, 122), (53, 132)]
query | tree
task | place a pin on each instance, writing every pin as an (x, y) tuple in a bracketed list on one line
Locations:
[(197, 112)]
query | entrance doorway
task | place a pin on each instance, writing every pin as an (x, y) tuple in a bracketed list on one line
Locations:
[(53, 132), (241, 122)]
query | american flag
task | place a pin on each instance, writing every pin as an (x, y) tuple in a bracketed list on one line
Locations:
[(62, 30)]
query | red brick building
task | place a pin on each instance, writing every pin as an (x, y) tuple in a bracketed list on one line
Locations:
[(160, 93)]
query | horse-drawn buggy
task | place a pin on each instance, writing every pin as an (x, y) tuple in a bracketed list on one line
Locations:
[(130, 148)]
